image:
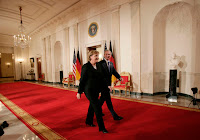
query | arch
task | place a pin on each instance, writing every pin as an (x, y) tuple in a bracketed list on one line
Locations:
[(57, 60), (196, 30), (173, 32)]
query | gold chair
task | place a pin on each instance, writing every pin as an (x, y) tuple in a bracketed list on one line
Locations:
[(69, 80), (125, 85)]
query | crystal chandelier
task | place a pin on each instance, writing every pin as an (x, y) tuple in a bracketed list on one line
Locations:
[(21, 40)]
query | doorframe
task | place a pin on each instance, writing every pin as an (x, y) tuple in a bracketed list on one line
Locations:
[(39, 68)]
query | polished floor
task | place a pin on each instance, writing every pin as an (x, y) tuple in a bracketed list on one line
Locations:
[(18, 131)]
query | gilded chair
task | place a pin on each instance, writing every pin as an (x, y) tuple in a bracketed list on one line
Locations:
[(69, 80), (123, 85)]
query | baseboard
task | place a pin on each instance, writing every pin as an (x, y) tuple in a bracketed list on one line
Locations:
[(155, 94), (8, 77), (160, 93), (75, 86), (179, 94), (29, 80)]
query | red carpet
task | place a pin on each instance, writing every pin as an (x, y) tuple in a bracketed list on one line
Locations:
[(62, 112)]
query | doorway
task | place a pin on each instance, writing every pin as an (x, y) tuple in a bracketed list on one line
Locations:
[(39, 68), (6, 67), (97, 48)]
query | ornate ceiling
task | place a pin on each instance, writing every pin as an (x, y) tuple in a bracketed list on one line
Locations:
[(35, 13)]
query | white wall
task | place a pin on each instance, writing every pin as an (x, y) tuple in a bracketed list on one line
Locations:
[(71, 29), (125, 38)]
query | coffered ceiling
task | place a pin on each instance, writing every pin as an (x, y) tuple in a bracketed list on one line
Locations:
[(35, 13)]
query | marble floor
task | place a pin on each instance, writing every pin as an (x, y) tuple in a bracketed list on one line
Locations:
[(18, 131)]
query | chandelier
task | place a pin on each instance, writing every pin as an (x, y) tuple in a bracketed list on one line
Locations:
[(21, 40)]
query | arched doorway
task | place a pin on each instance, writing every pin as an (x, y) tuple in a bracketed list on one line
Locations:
[(173, 33)]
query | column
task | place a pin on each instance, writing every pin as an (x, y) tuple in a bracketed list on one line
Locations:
[(52, 41), (115, 35), (66, 63), (49, 59), (136, 45), (44, 59)]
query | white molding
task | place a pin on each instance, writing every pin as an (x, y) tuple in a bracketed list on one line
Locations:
[(115, 8), (95, 43)]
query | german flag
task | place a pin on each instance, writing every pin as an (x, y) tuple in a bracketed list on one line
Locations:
[(113, 61), (78, 67)]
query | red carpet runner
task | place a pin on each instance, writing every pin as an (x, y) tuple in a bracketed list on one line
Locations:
[(64, 115)]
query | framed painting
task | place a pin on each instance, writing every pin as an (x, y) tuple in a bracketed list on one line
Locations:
[(32, 62)]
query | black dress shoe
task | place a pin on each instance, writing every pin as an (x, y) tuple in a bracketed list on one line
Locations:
[(4, 124), (1, 131), (104, 131), (92, 125), (118, 118)]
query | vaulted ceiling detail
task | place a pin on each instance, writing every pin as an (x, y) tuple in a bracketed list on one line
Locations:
[(34, 14)]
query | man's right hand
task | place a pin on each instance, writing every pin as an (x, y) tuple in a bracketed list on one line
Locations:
[(78, 96), (110, 88)]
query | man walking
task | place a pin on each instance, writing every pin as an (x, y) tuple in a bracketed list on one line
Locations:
[(108, 71)]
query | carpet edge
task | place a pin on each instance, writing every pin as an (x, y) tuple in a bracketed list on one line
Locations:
[(35, 125)]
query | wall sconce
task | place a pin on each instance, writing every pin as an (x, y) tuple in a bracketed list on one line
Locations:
[(8, 64), (20, 60), (13, 56)]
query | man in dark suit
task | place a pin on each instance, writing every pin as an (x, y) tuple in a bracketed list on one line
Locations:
[(108, 69)]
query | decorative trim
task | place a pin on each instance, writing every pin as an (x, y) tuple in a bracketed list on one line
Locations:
[(134, 2), (95, 43), (115, 8), (53, 20), (40, 128)]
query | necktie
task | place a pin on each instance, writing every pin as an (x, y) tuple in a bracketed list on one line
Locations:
[(109, 66)]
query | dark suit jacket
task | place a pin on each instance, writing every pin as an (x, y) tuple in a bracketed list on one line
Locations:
[(107, 74), (92, 80)]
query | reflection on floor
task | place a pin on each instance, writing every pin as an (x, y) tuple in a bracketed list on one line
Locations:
[(18, 131)]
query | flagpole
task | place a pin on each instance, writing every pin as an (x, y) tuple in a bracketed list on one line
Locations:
[(140, 90)]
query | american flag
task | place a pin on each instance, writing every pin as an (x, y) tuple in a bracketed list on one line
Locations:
[(74, 65), (105, 47)]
